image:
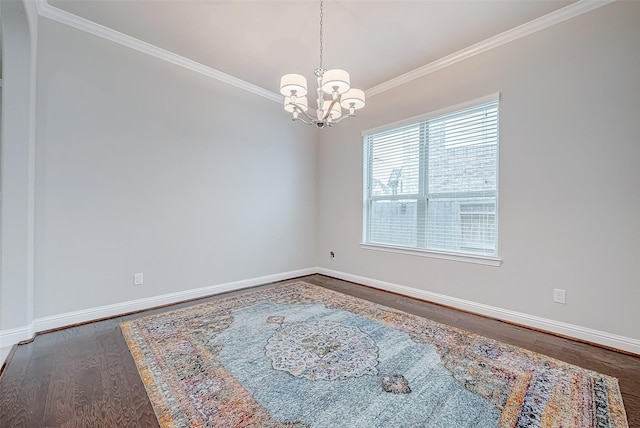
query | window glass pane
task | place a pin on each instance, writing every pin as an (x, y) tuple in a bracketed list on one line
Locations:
[(393, 222), (467, 225), (463, 152), (478, 225), (395, 162), (434, 184)]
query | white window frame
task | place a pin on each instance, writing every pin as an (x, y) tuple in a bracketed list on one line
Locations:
[(419, 251)]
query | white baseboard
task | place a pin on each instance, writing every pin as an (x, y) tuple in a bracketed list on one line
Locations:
[(4, 353), (13, 336), (623, 343)]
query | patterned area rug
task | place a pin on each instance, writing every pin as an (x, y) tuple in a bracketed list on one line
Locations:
[(299, 355)]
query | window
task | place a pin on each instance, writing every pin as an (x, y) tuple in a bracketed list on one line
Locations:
[(432, 184)]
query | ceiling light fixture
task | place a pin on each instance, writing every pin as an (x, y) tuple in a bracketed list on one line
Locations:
[(334, 83)]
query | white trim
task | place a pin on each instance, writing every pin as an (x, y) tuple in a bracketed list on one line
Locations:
[(32, 16), (23, 154), (476, 102), (4, 353), (628, 344), (13, 336), (63, 17), (414, 121), (556, 17), (70, 318), (466, 258), (570, 330)]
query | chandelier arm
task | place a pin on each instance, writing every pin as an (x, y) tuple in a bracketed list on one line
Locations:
[(328, 113), (302, 120), (342, 118), (300, 110)]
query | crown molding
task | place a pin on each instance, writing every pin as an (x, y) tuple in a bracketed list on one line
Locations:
[(561, 15), (553, 18), (63, 17)]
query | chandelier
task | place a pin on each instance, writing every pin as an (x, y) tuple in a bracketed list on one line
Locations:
[(333, 84)]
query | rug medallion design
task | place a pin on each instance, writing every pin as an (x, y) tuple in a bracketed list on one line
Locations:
[(298, 355)]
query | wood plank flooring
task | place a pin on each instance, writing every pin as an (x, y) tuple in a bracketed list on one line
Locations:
[(84, 376)]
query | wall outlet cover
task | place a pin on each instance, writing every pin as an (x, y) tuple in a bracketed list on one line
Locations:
[(138, 279), (559, 295)]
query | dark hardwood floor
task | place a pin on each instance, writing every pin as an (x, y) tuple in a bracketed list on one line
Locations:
[(84, 376)]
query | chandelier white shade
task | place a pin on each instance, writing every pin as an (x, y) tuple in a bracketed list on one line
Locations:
[(301, 102), (293, 84), (333, 83), (352, 98)]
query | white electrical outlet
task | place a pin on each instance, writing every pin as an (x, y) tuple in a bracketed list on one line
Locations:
[(559, 295), (138, 279)]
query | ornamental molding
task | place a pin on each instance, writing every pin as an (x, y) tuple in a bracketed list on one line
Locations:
[(571, 11)]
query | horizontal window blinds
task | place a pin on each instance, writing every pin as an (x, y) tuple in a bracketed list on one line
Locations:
[(433, 184)]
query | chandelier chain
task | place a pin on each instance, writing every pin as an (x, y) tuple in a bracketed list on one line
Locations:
[(321, 19)]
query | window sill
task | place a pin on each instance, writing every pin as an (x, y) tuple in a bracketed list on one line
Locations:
[(465, 258)]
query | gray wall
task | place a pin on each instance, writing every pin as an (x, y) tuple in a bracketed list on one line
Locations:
[(569, 205), (143, 166), (19, 30)]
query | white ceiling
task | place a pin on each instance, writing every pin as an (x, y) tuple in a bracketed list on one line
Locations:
[(259, 41)]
